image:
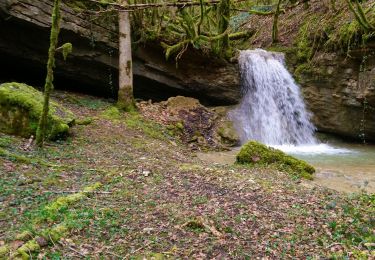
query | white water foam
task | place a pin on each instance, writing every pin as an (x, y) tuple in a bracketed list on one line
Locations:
[(312, 149), (272, 110)]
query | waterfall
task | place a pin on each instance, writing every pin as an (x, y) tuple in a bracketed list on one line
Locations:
[(272, 110)]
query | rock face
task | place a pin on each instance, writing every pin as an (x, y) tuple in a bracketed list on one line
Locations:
[(340, 91), (94, 60)]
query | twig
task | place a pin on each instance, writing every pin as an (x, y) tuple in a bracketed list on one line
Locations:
[(139, 249), (111, 253), (334, 244), (74, 250)]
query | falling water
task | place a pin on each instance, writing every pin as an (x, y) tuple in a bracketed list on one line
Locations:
[(272, 110)]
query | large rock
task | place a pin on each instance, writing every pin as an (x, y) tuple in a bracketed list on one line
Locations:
[(94, 61), (340, 91), (20, 109), (195, 124), (254, 153)]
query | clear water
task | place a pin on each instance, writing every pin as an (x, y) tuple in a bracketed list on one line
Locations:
[(271, 110), (341, 166)]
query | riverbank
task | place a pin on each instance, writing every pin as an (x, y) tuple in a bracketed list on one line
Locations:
[(149, 195)]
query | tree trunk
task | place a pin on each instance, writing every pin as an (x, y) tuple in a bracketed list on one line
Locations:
[(48, 87), (275, 29), (125, 93), (223, 16)]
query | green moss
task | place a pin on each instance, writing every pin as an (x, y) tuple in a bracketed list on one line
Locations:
[(186, 167), (304, 48), (136, 121), (67, 48), (347, 36), (112, 113), (180, 126), (24, 251), (85, 121), (24, 236), (4, 251), (51, 211), (255, 153), (56, 232), (20, 109)]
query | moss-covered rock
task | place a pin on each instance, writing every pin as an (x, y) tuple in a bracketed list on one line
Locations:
[(260, 154), (228, 133), (20, 109)]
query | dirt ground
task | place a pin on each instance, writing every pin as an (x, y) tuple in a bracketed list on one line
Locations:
[(157, 200)]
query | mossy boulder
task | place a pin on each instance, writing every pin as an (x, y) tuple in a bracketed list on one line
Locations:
[(255, 153), (228, 133), (20, 109)]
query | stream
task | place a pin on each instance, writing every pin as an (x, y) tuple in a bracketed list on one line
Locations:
[(342, 166)]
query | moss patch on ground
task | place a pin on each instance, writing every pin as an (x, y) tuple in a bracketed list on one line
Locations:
[(255, 153), (20, 109)]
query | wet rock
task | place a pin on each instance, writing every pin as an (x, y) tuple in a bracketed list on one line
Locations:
[(340, 92)]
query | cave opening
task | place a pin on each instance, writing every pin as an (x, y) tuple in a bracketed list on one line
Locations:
[(24, 70)]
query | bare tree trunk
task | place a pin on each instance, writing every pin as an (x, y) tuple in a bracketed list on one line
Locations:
[(125, 93)]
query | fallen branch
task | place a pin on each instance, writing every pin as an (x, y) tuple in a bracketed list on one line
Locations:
[(182, 4), (139, 249), (201, 222), (29, 143), (71, 248), (241, 35), (334, 244)]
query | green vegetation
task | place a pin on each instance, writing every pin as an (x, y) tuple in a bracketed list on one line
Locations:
[(112, 113), (336, 31), (21, 107), (255, 153), (55, 211), (357, 226), (135, 121)]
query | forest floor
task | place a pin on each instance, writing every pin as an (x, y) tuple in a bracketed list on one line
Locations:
[(157, 200)]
